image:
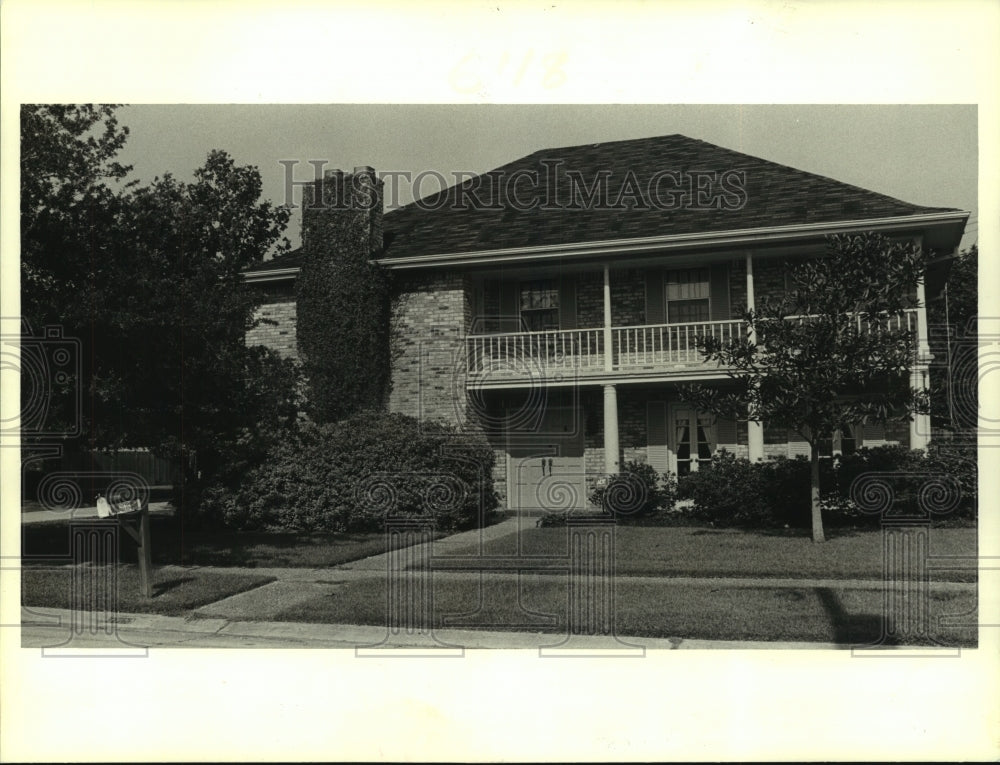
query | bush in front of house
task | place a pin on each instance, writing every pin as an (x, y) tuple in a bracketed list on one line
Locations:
[(773, 493), (351, 475), (638, 492), (946, 474), (733, 491)]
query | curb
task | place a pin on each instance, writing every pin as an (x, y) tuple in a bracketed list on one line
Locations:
[(51, 627)]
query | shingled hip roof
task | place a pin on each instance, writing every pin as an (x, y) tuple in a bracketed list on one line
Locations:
[(621, 190), (648, 187)]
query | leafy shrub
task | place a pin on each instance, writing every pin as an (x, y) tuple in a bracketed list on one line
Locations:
[(637, 492), (353, 474), (960, 462), (907, 473), (737, 492)]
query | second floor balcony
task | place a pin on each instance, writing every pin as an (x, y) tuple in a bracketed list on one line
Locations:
[(636, 352)]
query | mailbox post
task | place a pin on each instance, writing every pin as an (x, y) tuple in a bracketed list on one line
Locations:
[(133, 516)]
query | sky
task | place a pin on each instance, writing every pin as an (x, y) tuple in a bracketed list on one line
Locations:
[(924, 154)]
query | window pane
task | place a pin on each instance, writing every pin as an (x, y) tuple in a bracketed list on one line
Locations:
[(683, 440), (687, 285), (540, 321), (687, 311), (539, 295)]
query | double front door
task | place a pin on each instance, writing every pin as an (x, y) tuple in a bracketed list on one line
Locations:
[(547, 464), (692, 439)]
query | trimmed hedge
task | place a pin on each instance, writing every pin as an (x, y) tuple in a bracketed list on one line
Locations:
[(736, 492), (774, 493), (352, 475)]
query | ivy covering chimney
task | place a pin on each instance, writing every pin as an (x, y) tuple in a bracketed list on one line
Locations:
[(342, 298)]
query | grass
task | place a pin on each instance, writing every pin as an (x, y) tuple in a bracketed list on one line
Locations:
[(707, 552), (539, 603), (87, 588), (173, 544)]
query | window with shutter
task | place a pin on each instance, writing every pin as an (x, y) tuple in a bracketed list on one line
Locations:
[(539, 304), (656, 429), (688, 296), (873, 435)]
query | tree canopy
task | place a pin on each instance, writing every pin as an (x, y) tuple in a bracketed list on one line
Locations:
[(831, 352), (148, 280)]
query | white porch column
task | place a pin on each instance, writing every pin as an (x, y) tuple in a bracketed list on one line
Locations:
[(608, 355), (610, 429), (920, 425), (755, 429)]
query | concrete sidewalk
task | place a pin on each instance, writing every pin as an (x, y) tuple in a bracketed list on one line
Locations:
[(50, 628)]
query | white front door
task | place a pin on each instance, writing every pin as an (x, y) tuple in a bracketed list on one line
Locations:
[(546, 466), (692, 440)]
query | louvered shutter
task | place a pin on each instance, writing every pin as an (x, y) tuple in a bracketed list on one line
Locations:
[(655, 309), (509, 309), (797, 445), (873, 435), (719, 294), (567, 303), (726, 430), (656, 430)]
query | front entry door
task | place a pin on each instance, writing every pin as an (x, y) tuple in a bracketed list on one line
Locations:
[(547, 469), (692, 440)]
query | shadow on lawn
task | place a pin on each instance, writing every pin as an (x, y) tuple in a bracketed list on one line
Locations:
[(174, 544), (161, 588), (790, 533), (852, 630)]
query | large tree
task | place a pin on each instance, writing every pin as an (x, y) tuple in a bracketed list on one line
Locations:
[(831, 352), (954, 343), (71, 192), (148, 279)]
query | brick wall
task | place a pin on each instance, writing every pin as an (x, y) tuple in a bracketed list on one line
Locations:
[(590, 300), (738, 287), (429, 317), (279, 336), (768, 278), (628, 298)]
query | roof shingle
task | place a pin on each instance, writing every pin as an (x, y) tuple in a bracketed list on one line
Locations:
[(493, 211)]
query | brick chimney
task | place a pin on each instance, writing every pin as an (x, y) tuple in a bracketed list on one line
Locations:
[(342, 214)]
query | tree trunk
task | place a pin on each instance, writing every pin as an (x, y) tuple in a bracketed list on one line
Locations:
[(817, 516)]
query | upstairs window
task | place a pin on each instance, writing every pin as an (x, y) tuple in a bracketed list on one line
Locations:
[(687, 294), (539, 303)]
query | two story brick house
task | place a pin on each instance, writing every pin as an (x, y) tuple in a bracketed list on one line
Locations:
[(554, 303)]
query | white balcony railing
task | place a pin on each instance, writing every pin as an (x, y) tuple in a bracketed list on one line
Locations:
[(660, 345), (529, 354), (662, 348)]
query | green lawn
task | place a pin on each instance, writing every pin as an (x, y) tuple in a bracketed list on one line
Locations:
[(174, 593), (707, 552), (172, 544), (539, 603)]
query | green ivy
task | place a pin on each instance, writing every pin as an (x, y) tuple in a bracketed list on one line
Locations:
[(342, 312)]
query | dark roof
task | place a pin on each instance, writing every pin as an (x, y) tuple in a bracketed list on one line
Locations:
[(775, 195), (290, 259)]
